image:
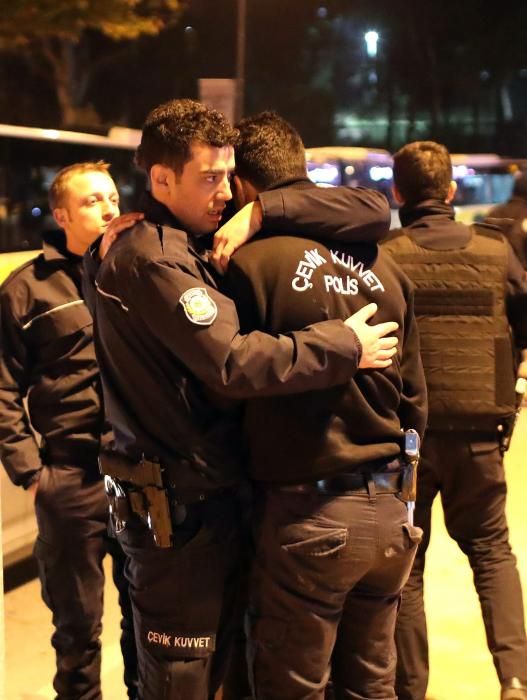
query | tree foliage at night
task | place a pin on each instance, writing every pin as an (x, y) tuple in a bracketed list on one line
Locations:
[(53, 30), (448, 71)]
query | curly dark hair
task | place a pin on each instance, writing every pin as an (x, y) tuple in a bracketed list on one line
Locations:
[(171, 128), (422, 170)]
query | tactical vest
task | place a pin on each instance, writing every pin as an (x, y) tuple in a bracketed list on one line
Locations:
[(466, 343)]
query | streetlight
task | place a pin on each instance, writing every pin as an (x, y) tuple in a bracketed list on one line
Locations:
[(371, 38)]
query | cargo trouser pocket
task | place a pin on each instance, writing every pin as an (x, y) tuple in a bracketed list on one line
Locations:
[(318, 542), (170, 641), (400, 555)]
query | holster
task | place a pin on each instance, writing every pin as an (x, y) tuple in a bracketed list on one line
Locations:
[(409, 481), (505, 430), (411, 451), (141, 485)]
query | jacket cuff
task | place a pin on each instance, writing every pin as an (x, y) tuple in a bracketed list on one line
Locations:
[(272, 206)]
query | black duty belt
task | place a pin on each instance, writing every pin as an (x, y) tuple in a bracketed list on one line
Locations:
[(342, 484)]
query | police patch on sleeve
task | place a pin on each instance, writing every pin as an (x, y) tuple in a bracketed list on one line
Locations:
[(199, 307)]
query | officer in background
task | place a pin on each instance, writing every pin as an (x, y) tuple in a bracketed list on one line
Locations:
[(512, 218), (167, 341), (516, 206), (469, 288), (48, 361), (334, 546)]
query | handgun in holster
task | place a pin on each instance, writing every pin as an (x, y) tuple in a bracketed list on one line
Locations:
[(137, 487), (507, 425), (409, 480)]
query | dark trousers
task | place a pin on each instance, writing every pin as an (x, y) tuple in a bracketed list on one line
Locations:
[(72, 516), (185, 600), (468, 471), (325, 592)]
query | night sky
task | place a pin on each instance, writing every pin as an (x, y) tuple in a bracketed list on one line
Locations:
[(443, 70)]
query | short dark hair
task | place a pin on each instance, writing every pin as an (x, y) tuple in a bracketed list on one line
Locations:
[(171, 129), (422, 170), (59, 187), (270, 150)]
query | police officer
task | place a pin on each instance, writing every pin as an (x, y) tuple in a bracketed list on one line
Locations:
[(469, 288), (167, 340), (512, 218), (48, 360), (334, 545)]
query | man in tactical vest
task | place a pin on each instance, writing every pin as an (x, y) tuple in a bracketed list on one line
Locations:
[(470, 289)]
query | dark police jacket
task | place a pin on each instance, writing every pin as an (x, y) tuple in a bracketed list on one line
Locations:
[(469, 288), (168, 342), (281, 283), (511, 218), (47, 356)]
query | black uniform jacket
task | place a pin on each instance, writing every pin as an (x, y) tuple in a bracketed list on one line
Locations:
[(47, 356), (166, 339), (433, 225), (515, 208), (511, 218), (281, 283)]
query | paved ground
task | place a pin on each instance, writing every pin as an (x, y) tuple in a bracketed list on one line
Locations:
[(461, 664)]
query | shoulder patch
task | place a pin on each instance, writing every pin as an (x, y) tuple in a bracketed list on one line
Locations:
[(199, 307)]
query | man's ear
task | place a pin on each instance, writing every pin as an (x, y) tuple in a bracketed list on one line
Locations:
[(452, 189), (238, 192), (397, 196), (244, 191), (60, 214), (160, 176)]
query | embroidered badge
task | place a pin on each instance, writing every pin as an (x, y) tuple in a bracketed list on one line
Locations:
[(199, 307)]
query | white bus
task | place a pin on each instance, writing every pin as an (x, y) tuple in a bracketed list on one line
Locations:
[(29, 160), (352, 166), (483, 179)]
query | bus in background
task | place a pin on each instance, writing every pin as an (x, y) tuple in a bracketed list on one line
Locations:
[(483, 180), (352, 166), (29, 160)]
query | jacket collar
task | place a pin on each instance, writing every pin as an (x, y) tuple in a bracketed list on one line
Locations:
[(157, 213), (429, 209), (54, 248), (432, 224)]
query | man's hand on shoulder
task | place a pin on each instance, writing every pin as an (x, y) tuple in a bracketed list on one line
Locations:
[(377, 347), (115, 228), (237, 231)]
